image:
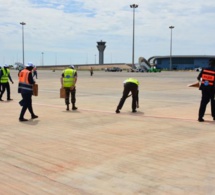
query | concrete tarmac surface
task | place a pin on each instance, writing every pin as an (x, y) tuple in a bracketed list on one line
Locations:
[(160, 150)]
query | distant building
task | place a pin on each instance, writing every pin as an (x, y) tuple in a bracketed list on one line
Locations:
[(181, 62)]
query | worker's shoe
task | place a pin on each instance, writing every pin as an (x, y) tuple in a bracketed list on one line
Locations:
[(1, 100), (201, 120), (67, 107), (9, 99), (214, 118), (117, 111), (134, 111), (23, 119), (74, 108), (34, 116)]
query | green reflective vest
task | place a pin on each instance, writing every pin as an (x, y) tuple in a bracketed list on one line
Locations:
[(131, 80), (5, 74), (69, 77)]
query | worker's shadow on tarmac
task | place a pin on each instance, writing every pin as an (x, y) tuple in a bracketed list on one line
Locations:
[(211, 121), (31, 122), (138, 113), (71, 111)]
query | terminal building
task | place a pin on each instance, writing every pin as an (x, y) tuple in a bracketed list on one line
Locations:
[(181, 62)]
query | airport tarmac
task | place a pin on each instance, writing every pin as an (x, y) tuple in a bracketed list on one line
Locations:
[(160, 150)]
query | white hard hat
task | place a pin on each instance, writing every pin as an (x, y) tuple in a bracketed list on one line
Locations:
[(72, 66), (29, 64)]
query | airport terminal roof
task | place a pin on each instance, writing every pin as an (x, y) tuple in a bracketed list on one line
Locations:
[(153, 58)]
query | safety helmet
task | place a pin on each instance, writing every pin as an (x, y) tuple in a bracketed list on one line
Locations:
[(29, 64), (72, 66)]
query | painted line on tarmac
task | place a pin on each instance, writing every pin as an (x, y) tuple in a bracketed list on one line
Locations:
[(140, 115)]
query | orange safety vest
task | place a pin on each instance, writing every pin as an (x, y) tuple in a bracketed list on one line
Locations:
[(24, 85), (208, 77), (23, 76)]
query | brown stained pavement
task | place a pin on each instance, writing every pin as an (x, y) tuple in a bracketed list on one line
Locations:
[(160, 150)]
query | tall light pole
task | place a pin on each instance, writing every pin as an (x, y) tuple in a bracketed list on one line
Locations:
[(42, 58), (23, 51), (133, 6), (170, 60)]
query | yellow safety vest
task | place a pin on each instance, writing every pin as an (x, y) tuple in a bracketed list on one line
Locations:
[(131, 80), (5, 73), (69, 77)]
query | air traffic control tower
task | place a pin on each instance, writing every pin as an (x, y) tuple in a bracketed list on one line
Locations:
[(101, 47)]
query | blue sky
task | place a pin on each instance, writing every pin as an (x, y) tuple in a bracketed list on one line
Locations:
[(67, 31)]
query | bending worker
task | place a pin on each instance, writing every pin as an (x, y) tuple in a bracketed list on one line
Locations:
[(130, 85), (207, 86), (68, 81)]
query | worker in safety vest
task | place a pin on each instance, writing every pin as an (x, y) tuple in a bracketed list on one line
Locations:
[(25, 87), (68, 82), (130, 85), (4, 79), (207, 86)]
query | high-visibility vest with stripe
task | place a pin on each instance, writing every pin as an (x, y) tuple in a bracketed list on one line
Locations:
[(24, 85), (69, 77), (208, 77), (131, 80), (5, 74)]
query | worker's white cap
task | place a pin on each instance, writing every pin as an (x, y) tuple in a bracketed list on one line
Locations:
[(72, 66), (29, 64)]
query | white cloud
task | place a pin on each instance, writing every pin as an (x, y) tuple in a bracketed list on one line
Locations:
[(69, 29)]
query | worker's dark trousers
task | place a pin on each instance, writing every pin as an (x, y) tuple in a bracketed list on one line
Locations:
[(207, 95), (134, 90), (68, 92), (26, 103), (7, 87), (35, 74)]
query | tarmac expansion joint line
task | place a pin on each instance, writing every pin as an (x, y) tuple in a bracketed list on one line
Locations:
[(130, 114)]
